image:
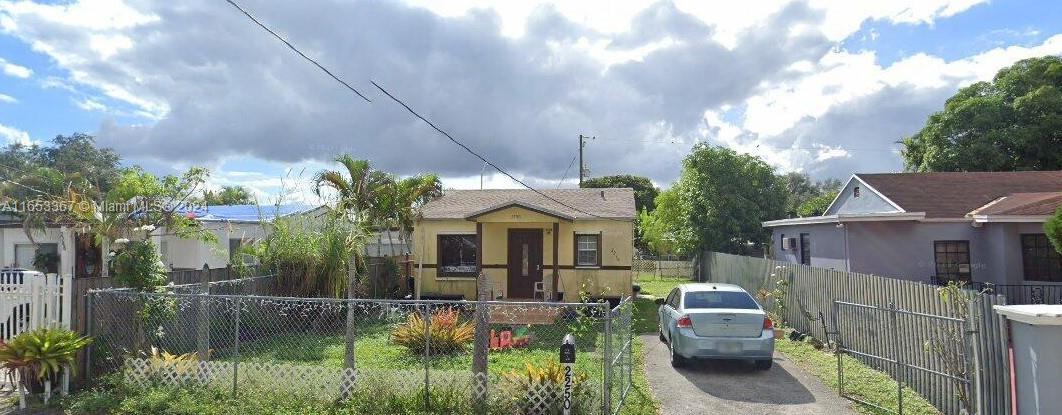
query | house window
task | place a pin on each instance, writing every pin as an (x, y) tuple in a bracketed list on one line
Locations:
[(588, 250), (805, 249), (1039, 259), (952, 260), (40, 257), (457, 256), (24, 254), (855, 191)]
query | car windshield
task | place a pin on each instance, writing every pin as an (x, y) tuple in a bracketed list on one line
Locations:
[(719, 299)]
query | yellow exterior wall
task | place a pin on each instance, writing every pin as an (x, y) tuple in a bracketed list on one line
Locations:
[(617, 251)]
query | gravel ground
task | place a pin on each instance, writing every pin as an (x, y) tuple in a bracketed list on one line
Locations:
[(736, 387)]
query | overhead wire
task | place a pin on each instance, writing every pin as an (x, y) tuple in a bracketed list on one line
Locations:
[(414, 113), (565, 175)]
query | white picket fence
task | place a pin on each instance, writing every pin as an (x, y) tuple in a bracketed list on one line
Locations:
[(30, 300)]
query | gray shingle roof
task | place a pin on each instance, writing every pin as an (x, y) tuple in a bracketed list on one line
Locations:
[(590, 203)]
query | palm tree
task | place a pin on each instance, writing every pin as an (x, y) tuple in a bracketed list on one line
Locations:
[(358, 191)]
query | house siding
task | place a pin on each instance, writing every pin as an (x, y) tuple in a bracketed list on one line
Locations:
[(867, 202), (904, 250), (827, 245), (613, 279)]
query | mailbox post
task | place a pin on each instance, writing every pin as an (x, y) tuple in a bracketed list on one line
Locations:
[(567, 360)]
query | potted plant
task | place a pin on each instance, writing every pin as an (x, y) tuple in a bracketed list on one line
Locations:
[(40, 355)]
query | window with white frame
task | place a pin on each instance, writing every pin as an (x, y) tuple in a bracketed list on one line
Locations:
[(588, 250)]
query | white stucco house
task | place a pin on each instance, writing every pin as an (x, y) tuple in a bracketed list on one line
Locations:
[(76, 252)]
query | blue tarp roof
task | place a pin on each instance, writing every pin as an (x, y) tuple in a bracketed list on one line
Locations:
[(248, 213)]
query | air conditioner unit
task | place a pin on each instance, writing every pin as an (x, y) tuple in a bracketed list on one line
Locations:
[(789, 244)]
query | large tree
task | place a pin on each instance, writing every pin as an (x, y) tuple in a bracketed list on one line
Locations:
[(644, 191), (719, 203), (227, 196), (38, 177), (1011, 123), (804, 192)]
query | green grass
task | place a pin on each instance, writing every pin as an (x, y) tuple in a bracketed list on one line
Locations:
[(119, 398), (658, 287), (373, 349), (860, 380)]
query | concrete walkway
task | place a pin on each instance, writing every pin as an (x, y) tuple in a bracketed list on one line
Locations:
[(736, 387)]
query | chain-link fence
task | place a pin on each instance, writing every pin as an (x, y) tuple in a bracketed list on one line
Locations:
[(455, 356), (663, 267)]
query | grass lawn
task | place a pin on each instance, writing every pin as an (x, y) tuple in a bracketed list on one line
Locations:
[(373, 349), (658, 287), (859, 380)]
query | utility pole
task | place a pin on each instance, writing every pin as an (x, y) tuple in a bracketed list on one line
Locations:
[(582, 166)]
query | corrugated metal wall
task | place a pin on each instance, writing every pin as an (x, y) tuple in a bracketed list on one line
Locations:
[(811, 293)]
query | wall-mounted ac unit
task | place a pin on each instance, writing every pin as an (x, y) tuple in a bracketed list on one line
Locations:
[(789, 244)]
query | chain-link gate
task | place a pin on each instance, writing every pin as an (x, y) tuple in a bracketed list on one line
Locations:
[(909, 346), (243, 334)]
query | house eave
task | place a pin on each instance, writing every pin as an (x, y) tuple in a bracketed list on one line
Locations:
[(1009, 218), (848, 217)]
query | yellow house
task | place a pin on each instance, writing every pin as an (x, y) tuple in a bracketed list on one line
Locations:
[(529, 246)]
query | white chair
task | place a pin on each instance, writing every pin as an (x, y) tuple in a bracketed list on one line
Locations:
[(539, 289)]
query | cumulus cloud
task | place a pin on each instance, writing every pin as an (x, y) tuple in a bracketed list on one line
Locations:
[(14, 135), (518, 83), (14, 70)]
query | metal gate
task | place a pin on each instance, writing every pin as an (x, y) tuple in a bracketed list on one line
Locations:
[(917, 350)]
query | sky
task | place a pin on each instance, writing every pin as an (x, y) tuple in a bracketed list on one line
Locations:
[(823, 87)]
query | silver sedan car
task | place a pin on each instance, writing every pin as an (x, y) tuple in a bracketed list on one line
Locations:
[(715, 321)]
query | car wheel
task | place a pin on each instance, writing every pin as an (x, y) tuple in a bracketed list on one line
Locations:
[(661, 333), (676, 359), (764, 364)]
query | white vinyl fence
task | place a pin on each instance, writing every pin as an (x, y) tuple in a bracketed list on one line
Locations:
[(811, 294), (30, 300)]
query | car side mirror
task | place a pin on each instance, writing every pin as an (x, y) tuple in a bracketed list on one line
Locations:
[(659, 301)]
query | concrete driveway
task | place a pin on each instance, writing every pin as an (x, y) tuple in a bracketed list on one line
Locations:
[(735, 387)]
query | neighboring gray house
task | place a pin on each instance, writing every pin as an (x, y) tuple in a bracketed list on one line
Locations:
[(972, 226)]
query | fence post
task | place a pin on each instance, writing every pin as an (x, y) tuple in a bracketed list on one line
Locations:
[(349, 362), (427, 356), (973, 374), (606, 392), (838, 348), (900, 371), (203, 317), (567, 360), (89, 322), (236, 360), (481, 346)]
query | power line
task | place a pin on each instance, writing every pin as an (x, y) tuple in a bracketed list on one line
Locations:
[(565, 175), (470, 151), (296, 50), (411, 111)]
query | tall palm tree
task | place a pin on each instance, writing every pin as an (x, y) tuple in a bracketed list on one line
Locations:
[(407, 196), (358, 191)]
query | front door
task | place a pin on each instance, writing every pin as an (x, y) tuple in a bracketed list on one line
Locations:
[(525, 262)]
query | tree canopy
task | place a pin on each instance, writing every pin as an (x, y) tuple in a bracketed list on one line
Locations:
[(807, 193), (718, 204), (644, 191), (1011, 123), (227, 196), (1053, 229)]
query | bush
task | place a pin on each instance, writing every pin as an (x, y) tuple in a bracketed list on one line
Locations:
[(540, 389), (448, 335), (40, 354)]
